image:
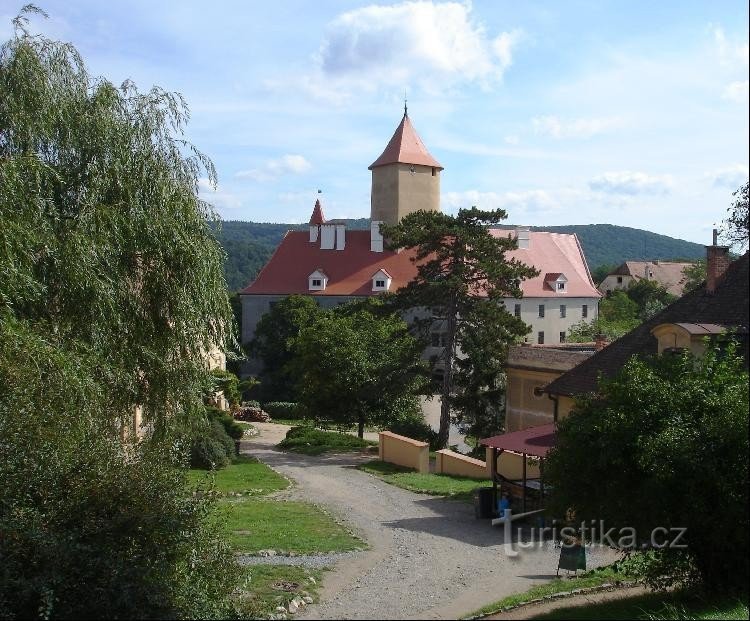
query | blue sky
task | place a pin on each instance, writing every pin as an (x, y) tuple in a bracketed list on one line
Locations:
[(630, 113)]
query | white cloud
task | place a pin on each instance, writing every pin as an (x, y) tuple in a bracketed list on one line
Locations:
[(512, 202), (631, 183), (737, 91), (435, 44), (573, 128), (730, 53), (514, 140), (729, 177), (219, 198), (275, 168)]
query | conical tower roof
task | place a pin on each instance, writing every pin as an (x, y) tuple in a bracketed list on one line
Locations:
[(317, 214), (406, 147)]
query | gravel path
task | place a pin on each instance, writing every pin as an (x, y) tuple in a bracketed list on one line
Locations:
[(429, 558)]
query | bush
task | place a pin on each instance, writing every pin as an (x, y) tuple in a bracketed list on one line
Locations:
[(285, 409), (212, 449), (232, 429), (414, 426), (311, 441), (251, 404)]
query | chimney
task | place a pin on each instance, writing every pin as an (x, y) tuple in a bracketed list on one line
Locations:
[(600, 342), (523, 237), (717, 262), (376, 239), (340, 236)]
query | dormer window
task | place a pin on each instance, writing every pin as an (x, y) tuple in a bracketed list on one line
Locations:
[(381, 280), (557, 282), (317, 281)]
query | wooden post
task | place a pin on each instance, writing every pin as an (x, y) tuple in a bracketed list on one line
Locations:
[(493, 471), (523, 496)]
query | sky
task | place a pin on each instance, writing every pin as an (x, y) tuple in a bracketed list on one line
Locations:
[(560, 112)]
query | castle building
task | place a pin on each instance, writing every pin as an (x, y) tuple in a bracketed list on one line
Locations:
[(335, 265)]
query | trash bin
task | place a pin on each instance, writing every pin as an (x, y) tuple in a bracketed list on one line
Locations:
[(483, 503)]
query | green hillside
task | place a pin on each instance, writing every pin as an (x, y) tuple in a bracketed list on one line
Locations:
[(250, 244)]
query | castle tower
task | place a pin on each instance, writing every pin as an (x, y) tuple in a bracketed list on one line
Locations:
[(405, 178)]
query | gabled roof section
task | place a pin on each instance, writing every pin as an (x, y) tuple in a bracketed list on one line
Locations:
[(727, 306), (383, 271), (553, 254), (317, 214), (406, 147)]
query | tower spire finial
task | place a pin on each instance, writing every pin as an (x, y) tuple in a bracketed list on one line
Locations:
[(406, 112)]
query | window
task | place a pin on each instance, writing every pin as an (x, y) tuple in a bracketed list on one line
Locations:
[(585, 311), (619, 280), (317, 282), (380, 283), (562, 310), (434, 171), (540, 338), (562, 337), (541, 310), (561, 286), (517, 310)]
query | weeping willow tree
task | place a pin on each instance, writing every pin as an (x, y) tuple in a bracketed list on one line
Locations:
[(111, 294)]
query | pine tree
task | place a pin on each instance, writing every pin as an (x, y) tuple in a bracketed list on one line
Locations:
[(462, 277)]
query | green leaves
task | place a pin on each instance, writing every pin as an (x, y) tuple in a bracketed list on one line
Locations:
[(664, 444)]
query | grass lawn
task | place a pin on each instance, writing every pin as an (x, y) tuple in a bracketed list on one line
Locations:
[(675, 605), (269, 586), (593, 578), (244, 476), (311, 441), (459, 488), (297, 527)]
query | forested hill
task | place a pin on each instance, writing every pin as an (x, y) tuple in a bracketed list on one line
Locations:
[(250, 244)]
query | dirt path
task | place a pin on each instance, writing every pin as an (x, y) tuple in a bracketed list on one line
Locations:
[(429, 558)]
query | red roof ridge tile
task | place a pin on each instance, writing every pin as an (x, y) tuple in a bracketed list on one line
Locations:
[(317, 214)]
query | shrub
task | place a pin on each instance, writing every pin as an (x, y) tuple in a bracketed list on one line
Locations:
[(251, 404), (232, 429), (414, 426), (251, 415), (212, 449), (285, 409), (311, 441)]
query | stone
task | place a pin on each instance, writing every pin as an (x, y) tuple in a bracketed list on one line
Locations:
[(280, 609), (308, 599), (312, 580), (292, 607), (300, 602)]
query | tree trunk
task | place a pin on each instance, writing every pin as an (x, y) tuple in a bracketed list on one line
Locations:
[(361, 427), (450, 354)]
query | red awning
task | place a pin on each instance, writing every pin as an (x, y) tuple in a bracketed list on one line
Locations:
[(535, 441)]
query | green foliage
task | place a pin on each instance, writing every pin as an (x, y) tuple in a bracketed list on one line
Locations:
[(462, 276), (311, 441), (276, 335), (650, 296), (695, 274), (601, 272), (232, 428), (211, 449), (736, 227), (357, 365), (412, 425), (285, 410), (665, 444), (228, 383), (621, 312), (111, 290)]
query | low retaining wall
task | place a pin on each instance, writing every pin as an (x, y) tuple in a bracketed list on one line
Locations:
[(403, 451), (448, 462)]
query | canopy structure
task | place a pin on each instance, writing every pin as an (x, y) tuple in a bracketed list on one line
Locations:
[(533, 442), (536, 441)]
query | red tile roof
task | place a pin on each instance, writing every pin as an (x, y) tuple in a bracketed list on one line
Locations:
[(350, 271), (535, 441), (317, 214), (406, 147)]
